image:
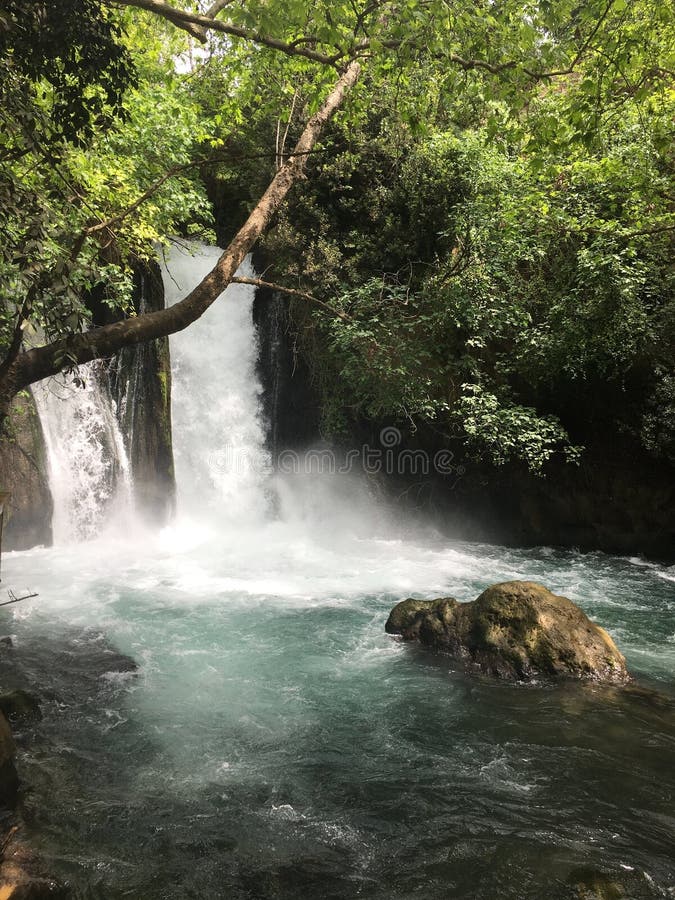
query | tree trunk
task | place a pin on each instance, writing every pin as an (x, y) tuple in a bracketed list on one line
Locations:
[(41, 362)]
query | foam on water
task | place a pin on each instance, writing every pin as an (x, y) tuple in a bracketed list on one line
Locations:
[(271, 711)]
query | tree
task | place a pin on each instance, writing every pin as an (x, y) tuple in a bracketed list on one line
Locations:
[(487, 60), (489, 291)]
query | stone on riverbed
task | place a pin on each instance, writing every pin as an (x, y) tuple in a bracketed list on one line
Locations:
[(20, 706), (517, 630), (9, 781)]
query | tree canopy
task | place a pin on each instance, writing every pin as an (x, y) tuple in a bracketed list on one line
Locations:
[(489, 215)]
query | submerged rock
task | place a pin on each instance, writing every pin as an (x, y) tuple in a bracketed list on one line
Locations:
[(9, 780), (20, 706), (21, 875), (516, 630), (592, 884)]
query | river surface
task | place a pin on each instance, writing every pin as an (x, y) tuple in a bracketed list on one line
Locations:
[(276, 743), (224, 716)]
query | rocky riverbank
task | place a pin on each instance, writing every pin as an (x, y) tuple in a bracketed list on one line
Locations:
[(90, 660), (21, 873)]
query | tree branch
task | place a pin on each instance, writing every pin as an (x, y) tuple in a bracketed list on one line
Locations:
[(292, 292), (201, 33), (198, 25), (216, 7), (187, 21), (171, 173), (103, 342), (577, 59)]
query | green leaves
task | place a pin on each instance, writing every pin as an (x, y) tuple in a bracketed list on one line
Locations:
[(71, 57), (515, 258), (491, 210), (61, 177), (503, 433)]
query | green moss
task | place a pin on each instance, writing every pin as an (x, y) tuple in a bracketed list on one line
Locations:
[(163, 378), (406, 613)]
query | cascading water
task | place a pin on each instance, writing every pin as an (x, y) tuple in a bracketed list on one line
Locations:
[(223, 468), (219, 451), (89, 474), (276, 744)]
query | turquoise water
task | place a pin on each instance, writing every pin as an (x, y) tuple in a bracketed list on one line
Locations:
[(275, 743)]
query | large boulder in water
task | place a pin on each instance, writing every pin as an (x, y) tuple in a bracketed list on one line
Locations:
[(517, 630)]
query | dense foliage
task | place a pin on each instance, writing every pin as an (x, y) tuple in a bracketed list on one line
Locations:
[(508, 289), (491, 216), (92, 114)]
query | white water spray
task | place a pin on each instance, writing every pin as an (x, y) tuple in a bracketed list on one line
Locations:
[(221, 462), (89, 473)]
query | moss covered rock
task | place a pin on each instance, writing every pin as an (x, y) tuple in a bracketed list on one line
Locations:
[(517, 630)]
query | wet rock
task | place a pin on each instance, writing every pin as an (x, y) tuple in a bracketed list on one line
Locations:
[(517, 630), (139, 379), (406, 612), (23, 472), (7, 641), (592, 884), (20, 706), (21, 877), (9, 780)]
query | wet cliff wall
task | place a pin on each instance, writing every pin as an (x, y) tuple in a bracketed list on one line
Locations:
[(619, 499), (140, 385), (23, 472)]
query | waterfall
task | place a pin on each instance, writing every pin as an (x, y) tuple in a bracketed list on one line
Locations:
[(89, 473), (221, 462), (223, 467), (224, 470)]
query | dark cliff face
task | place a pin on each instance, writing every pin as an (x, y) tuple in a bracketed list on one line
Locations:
[(290, 403), (23, 472), (140, 385), (604, 503), (619, 499), (608, 503)]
